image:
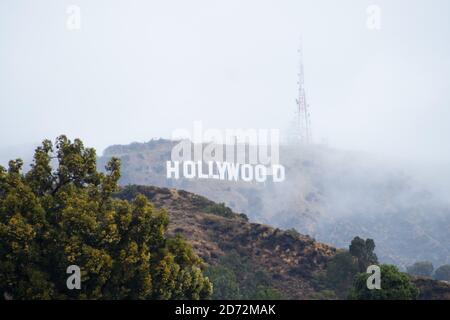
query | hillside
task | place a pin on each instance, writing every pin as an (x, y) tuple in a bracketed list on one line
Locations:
[(329, 194), (291, 260), (293, 263), (432, 290)]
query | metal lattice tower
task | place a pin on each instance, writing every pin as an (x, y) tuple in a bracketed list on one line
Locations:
[(303, 116)]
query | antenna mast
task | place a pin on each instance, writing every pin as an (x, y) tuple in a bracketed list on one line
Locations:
[(304, 121)]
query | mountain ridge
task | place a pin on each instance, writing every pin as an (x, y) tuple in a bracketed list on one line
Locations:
[(329, 194)]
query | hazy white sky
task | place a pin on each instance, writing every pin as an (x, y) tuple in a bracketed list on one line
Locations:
[(140, 69)]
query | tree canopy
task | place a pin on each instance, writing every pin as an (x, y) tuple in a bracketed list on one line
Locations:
[(61, 213), (340, 272), (442, 273), (421, 268), (363, 250), (345, 265), (395, 285)]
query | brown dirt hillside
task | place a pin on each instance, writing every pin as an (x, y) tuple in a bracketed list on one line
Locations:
[(294, 261)]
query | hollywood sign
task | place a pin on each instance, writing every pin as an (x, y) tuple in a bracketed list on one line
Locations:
[(250, 155)]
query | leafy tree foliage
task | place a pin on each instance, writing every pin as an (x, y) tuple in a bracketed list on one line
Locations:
[(219, 209), (340, 272), (344, 266), (267, 293), (237, 277), (61, 213), (395, 285), (226, 286), (363, 250), (442, 273), (421, 268)]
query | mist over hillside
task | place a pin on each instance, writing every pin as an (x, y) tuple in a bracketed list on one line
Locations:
[(330, 194)]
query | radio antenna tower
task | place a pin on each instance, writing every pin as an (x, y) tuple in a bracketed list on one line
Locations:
[(303, 115)]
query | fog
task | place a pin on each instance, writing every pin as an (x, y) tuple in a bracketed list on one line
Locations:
[(330, 194), (141, 69)]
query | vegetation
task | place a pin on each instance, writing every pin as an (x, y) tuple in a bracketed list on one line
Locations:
[(421, 269), (238, 278), (340, 272), (347, 275), (225, 283), (442, 273), (54, 217), (344, 266), (292, 232), (219, 209), (363, 251), (266, 293), (425, 269), (324, 295), (395, 285)]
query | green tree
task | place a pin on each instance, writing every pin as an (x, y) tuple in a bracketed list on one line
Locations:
[(267, 293), (442, 273), (226, 286), (421, 268), (344, 266), (237, 277), (340, 272), (61, 215), (363, 250), (395, 285), (219, 209)]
